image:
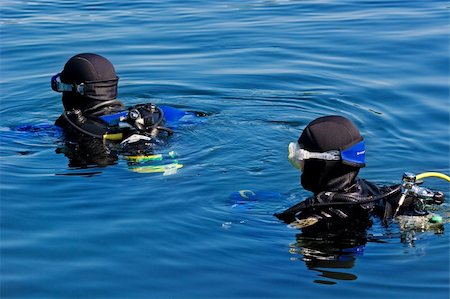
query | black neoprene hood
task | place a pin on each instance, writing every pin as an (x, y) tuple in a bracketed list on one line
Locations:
[(88, 67), (323, 134), (327, 133), (98, 76)]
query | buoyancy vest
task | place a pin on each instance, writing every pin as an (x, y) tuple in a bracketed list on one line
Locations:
[(143, 119), (361, 200)]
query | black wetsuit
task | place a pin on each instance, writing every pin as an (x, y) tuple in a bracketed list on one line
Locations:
[(91, 139), (84, 144), (354, 205)]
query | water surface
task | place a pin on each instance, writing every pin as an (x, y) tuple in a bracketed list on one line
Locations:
[(261, 70)]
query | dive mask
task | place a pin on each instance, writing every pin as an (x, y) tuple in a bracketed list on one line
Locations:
[(99, 90), (354, 155), (59, 86)]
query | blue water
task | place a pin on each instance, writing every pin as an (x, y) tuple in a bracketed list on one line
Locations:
[(261, 70)]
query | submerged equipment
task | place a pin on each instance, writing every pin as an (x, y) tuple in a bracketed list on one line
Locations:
[(154, 163)]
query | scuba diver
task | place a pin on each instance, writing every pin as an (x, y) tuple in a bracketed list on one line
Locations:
[(329, 153), (334, 221), (96, 125)]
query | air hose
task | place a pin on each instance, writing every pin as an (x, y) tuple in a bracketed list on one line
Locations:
[(347, 200), (433, 174), (409, 180)]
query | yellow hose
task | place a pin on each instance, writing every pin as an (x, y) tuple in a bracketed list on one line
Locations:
[(433, 174)]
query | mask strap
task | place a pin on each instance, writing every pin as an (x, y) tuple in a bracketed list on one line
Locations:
[(329, 155), (355, 155)]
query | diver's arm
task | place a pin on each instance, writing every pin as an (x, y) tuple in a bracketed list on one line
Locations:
[(289, 215)]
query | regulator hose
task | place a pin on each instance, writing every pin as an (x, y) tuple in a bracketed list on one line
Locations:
[(348, 200), (433, 174), (410, 183), (354, 200)]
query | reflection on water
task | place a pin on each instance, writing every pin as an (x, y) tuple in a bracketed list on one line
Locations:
[(333, 251), (411, 226), (330, 251)]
